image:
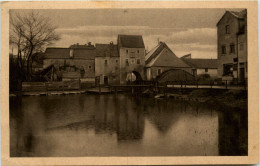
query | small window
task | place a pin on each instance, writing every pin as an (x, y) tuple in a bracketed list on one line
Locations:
[(227, 29), (105, 62), (232, 48), (159, 71), (126, 61), (89, 67), (116, 61), (138, 51), (223, 49), (127, 51), (241, 46), (206, 70), (138, 61)]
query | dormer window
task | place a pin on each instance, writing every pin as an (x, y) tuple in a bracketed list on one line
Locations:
[(227, 29)]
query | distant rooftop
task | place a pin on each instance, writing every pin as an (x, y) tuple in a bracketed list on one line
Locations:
[(130, 41), (84, 46), (201, 63)]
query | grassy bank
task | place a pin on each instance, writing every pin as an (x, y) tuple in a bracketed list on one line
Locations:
[(230, 98)]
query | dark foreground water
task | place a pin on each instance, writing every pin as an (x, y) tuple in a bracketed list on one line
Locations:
[(110, 125)]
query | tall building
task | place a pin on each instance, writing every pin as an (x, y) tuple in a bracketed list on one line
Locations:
[(232, 46), (132, 56)]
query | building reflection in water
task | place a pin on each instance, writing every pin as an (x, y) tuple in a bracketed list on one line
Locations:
[(122, 125)]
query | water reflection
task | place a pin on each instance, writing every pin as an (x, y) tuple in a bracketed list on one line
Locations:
[(122, 125)]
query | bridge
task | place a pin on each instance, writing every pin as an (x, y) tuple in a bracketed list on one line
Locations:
[(140, 86)]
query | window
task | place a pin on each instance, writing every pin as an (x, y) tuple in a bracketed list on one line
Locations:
[(232, 48), (89, 67), (227, 29), (227, 69), (105, 62), (206, 70), (138, 51), (133, 61), (126, 61), (116, 61), (241, 45), (138, 61), (223, 49), (127, 51), (159, 71)]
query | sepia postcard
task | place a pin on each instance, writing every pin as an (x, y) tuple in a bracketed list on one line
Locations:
[(129, 83)]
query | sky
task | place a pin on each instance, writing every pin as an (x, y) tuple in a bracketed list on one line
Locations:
[(185, 31)]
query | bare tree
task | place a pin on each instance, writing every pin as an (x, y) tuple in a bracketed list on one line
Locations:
[(31, 33)]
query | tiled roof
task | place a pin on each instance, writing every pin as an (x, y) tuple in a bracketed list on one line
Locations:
[(64, 53), (85, 46), (84, 54), (105, 50), (237, 14), (202, 63), (241, 14), (130, 41), (163, 56), (57, 53)]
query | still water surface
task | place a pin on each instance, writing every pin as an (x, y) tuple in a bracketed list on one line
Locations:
[(122, 125)]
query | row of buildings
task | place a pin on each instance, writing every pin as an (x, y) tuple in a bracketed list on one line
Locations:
[(127, 60)]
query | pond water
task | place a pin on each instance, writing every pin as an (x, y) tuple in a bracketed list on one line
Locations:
[(123, 125)]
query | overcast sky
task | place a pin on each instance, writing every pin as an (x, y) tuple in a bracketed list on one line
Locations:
[(184, 30)]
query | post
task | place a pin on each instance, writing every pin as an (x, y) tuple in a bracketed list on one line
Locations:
[(79, 84), (165, 89), (226, 84)]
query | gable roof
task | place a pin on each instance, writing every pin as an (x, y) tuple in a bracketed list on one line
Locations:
[(57, 53), (64, 53), (202, 63), (237, 14), (163, 56), (130, 41), (88, 54), (106, 50)]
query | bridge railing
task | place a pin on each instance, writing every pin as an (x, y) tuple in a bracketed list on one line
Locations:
[(227, 84)]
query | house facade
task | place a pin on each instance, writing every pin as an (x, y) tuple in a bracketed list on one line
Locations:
[(202, 66), (107, 64), (160, 59), (132, 56), (232, 46), (72, 63)]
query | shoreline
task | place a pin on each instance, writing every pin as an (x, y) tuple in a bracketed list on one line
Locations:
[(229, 98)]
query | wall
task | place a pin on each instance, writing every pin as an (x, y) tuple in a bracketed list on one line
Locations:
[(211, 72), (111, 69), (227, 39), (88, 65), (131, 55), (153, 71)]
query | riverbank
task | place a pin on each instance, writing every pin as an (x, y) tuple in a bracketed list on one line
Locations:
[(223, 97), (229, 98)]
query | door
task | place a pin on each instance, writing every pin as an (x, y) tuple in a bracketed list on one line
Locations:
[(105, 80), (242, 74)]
